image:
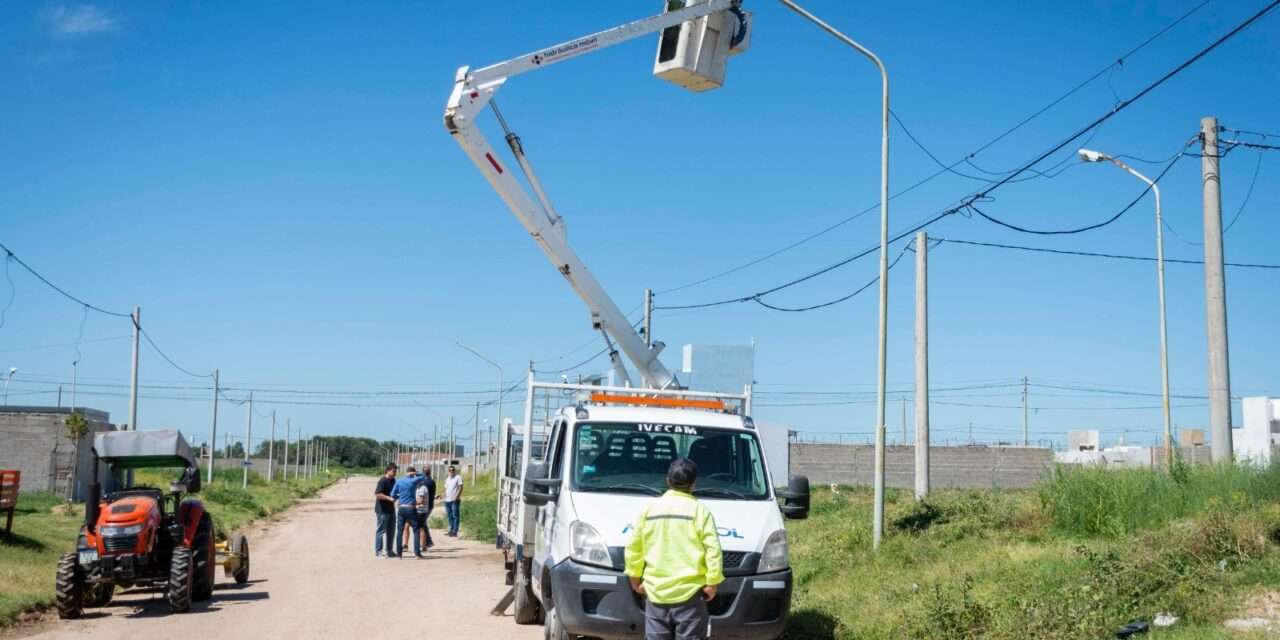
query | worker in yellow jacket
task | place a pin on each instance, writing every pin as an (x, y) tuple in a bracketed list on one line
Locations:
[(674, 559)]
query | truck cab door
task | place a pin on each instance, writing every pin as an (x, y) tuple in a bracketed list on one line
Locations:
[(545, 526)]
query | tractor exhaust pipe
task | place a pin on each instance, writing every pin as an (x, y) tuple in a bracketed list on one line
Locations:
[(92, 504)]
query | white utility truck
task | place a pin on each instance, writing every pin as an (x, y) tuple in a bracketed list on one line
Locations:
[(590, 456)]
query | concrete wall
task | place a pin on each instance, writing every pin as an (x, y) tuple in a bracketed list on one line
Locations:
[(978, 467), (34, 441)]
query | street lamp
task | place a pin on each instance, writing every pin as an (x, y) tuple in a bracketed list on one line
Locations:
[(1088, 155), (877, 522), (12, 370), (496, 366)]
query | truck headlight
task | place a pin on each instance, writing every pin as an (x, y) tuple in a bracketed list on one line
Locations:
[(775, 556), (112, 532), (587, 546)]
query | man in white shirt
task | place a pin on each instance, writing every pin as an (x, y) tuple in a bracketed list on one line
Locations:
[(453, 500)]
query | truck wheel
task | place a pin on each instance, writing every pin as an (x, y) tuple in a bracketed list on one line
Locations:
[(69, 587), (240, 547), (204, 560), (526, 606), (99, 595), (552, 629), (181, 580)]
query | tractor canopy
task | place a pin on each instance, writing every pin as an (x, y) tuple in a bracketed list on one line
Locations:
[(144, 449)]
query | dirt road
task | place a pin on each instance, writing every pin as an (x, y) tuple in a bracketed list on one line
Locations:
[(313, 574)]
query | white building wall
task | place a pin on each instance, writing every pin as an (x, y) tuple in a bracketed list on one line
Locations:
[(1257, 440)]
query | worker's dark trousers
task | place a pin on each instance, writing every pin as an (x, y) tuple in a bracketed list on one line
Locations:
[(685, 621), (385, 523)]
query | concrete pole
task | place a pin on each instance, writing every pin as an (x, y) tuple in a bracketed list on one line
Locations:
[(271, 449), (286, 449), (133, 374), (475, 447), (922, 365), (1025, 421), (648, 317), (453, 444), (213, 429), (1215, 295), (248, 440), (904, 421)]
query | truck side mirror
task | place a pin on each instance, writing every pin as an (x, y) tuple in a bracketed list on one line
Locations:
[(538, 489), (795, 500)]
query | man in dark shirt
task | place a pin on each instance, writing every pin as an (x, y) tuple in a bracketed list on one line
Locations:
[(384, 508)]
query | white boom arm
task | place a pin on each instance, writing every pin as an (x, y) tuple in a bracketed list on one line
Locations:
[(473, 90)]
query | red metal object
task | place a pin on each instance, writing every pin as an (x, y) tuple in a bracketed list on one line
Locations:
[(9, 482)]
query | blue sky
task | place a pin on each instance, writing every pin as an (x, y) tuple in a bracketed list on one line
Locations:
[(273, 185)]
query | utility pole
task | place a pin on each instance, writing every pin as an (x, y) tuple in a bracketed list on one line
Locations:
[(248, 440), (213, 430), (286, 449), (648, 317), (922, 365), (297, 463), (1025, 422), (271, 448), (970, 434), (1215, 295), (475, 448), (133, 376), (904, 421), (453, 446)]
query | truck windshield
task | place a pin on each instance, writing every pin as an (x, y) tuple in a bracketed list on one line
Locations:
[(633, 458)]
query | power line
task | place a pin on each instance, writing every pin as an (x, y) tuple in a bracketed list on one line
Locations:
[(814, 274), (1093, 254), (166, 357), (10, 255), (943, 168), (1120, 106), (841, 298), (1091, 227)]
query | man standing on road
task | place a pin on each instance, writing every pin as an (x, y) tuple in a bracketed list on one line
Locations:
[(407, 513), (673, 559), (425, 496), (453, 500), (384, 509)]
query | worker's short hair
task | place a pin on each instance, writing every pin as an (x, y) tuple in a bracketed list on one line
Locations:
[(412, 470), (682, 473), (390, 467)]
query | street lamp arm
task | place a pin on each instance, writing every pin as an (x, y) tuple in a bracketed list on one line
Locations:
[(477, 354), (884, 74)]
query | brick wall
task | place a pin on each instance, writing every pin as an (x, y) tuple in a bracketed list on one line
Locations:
[(976, 467)]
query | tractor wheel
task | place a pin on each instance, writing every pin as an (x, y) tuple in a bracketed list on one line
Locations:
[(240, 547), (526, 606), (181, 580), (99, 595), (69, 589), (203, 553)]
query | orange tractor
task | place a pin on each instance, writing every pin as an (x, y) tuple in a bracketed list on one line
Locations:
[(143, 536)]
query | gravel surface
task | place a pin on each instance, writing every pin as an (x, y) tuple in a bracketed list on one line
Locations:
[(313, 574)]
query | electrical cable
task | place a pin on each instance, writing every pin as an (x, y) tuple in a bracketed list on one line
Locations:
[(843, 298), (1091, 227), (943, 168), (11, 255), (814, 274), (168, 359), (1121, 106), (1092, 254), (13, 290), (1247, 194)]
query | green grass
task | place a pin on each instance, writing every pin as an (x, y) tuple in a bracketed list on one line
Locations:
[(1077, 557), (44, 530)]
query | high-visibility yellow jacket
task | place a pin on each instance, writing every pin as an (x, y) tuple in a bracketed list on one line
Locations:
[(674, 547)]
